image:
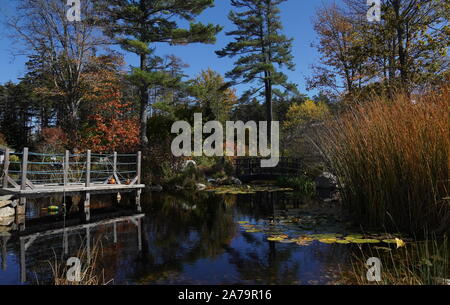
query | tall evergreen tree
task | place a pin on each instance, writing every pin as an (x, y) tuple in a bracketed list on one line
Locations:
[(261, 48), (16, 113), (138, 25)]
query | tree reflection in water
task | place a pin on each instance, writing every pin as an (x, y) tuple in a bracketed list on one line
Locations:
[(198, 238)]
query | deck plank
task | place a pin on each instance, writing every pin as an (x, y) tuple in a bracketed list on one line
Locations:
[(54, 189)]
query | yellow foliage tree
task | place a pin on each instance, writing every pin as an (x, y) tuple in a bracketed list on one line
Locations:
[(300, 118), (300, 115)]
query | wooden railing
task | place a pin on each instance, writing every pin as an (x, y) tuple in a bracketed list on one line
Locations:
[(251, 166), (28, 170)]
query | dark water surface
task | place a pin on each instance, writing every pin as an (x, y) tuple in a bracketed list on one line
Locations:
[(200, 238)]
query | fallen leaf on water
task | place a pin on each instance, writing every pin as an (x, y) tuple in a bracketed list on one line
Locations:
[(400, 243)]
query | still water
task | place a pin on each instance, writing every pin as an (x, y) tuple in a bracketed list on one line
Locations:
[(200, 238)]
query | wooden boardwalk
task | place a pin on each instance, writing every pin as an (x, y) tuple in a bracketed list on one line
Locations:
[(70, 189), (26, 174)]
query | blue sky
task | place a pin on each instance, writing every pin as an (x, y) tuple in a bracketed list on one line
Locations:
[(296, 18)]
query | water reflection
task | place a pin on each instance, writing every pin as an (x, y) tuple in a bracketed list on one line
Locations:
[(192, 238)]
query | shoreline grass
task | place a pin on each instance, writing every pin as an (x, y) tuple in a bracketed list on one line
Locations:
[(89, 273), (420, 263), (392, 159)]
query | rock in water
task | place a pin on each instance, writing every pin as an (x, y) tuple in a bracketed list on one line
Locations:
[(188, 163), (200, 186), (6, 221), (236, 181), (7, 212), (5, 201), (326, 181)]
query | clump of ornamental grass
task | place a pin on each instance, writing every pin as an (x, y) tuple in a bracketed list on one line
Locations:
[(392, 159), (420, 263), (90, 273)]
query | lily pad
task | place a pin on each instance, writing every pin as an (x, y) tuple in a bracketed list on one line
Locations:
[(277, 237), (328, 240), (353, 236), (325, 236), (248, 226), (364, 241), (303, 242), (274, 238), (286, 241), (342, 241), (253, 231)]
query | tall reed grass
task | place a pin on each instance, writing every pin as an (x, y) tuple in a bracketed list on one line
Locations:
[(392, 159)]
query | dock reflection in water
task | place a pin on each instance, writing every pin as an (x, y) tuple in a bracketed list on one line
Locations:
[(182, 239)]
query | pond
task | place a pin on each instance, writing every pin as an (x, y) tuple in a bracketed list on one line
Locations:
[(192, 238)]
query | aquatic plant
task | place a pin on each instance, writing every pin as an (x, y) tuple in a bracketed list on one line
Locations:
[(301, 184), (391, 157), (245, 189), (420, 263)]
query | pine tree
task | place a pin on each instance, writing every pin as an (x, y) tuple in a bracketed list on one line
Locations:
[(138, 25), (261, 48)]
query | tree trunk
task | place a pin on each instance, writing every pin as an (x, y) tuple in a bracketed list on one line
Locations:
[(400, 37), (268, 97), (143, 104)]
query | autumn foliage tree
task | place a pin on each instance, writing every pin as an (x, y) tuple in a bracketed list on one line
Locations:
[(406, 51), (52, 140), (298, 128), (111, 125)]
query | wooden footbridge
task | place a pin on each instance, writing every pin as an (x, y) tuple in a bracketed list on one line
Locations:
[(26, 174), (249, 168)]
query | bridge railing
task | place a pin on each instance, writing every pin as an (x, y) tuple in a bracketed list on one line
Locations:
[(28, 169), (248, 166)]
